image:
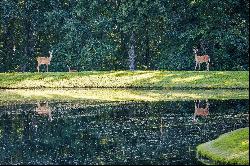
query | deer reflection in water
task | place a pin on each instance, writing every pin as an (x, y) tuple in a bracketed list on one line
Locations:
[(200, 111), (44, 109)]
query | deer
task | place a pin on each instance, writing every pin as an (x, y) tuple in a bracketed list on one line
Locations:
[(44, 109), (71, 70), (200, 111), (44, 60), (201, 59)]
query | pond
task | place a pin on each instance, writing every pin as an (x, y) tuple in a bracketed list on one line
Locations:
[(114, 133)]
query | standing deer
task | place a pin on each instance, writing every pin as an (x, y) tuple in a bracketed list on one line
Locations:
[(201, 59), (44, 109), (200, 111), (44, 60), (71, 70)]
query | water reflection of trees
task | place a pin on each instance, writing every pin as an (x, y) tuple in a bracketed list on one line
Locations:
[(141, 133)]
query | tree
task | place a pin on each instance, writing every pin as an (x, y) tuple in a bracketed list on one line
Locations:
[(122, 35)]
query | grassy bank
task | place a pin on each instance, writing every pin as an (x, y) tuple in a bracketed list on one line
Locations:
[(23, 95), (230, 148), (128, 79)]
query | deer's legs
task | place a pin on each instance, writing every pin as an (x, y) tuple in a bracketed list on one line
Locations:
[(194, 118), (207, 66), (207, 103), (196, 65), (50, 116), (199, 66), (38, 68), (47, 68), (196, 104)]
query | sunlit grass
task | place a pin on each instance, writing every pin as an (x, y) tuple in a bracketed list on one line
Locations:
[(127, 79), (188, 79), (117, 95), (231, 148)]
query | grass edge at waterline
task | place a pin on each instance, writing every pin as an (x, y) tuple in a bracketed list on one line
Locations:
[(230, 148)]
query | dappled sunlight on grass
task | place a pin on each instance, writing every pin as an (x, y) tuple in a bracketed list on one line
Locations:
[(157, 79), (234, 83), (220, 73), (127, 79), (187, 95), (94, 94), (188, 79), (118, 95), (31, 83), (104, 80)]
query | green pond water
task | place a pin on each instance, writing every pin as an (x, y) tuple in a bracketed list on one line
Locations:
[(114, 132)]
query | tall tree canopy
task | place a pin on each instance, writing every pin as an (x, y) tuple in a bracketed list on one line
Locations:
[(123, 34)]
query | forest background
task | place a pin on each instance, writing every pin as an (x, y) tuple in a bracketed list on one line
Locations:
[(113, 34)]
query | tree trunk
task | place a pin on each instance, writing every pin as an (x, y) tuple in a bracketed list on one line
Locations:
[(131, 52)]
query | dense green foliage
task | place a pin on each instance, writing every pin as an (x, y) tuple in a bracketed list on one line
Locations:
[(128, 79), (95, 34), (230, 148)]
